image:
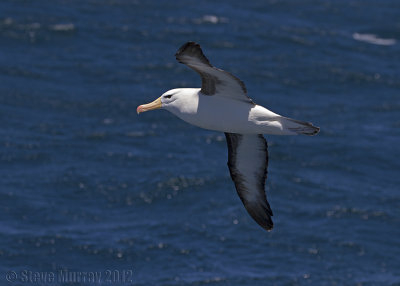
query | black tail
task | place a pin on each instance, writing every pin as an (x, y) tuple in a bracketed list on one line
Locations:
[(301, 127)]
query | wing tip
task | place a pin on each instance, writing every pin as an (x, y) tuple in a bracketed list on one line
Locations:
[(191, 49), (269, 228), (185, 46), (267, 224), (261, 215)]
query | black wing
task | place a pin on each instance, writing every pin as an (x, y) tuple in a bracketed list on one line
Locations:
[(214, 81), (248, 162)]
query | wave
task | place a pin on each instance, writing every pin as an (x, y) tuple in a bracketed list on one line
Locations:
[(373, 39)]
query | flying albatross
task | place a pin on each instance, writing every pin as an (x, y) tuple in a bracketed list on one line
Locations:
[(222, 104)]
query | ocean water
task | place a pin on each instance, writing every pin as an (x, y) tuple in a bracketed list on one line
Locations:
[(87, 186)]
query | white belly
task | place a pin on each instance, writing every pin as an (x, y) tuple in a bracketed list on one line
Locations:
[(226, 115)]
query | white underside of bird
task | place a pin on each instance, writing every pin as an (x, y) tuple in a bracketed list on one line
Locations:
[(224, 114), (222, 104)]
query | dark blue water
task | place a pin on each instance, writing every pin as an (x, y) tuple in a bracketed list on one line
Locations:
[(88, 186)]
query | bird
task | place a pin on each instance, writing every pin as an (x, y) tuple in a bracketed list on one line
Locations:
[(222, 104)]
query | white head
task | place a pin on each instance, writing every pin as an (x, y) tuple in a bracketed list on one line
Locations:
[(174, 100)]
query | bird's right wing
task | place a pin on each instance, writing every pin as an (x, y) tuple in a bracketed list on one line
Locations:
[(214, 81), (248, 162)]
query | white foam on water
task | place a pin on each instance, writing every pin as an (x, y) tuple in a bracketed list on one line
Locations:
[(373, 39), (210, 19), (63, 27)]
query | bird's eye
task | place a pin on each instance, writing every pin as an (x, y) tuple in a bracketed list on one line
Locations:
[(168, 96)]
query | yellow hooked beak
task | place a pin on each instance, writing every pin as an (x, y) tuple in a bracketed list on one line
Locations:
[(150, 106)]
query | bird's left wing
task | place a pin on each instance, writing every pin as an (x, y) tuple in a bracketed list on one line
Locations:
[(214, 81), (248, 162)]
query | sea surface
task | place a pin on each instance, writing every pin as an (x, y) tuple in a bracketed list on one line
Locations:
[(88, 186)]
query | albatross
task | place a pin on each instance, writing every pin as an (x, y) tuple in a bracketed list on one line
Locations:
[(222, 104)]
